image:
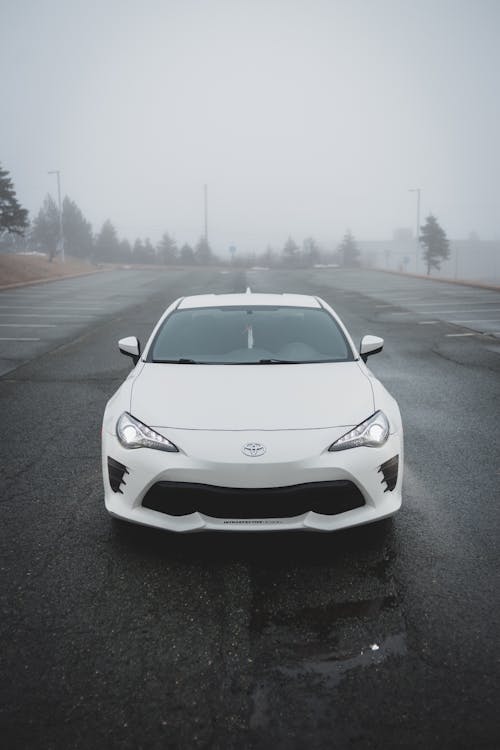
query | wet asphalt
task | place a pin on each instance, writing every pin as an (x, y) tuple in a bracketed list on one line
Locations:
[(115, 636)]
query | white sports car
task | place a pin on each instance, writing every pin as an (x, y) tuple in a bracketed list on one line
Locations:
[(251, 412)]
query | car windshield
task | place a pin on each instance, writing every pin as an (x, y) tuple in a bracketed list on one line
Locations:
[(250, 335)]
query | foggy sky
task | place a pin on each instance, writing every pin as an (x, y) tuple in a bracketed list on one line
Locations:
[(304, 117)]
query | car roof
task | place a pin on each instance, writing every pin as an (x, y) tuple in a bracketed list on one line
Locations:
[(249, 299)]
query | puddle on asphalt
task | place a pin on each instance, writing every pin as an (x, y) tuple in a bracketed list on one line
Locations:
[(328, 667), (334, 668)]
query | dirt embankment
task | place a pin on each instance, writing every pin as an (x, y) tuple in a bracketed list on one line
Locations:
[(22, 269)]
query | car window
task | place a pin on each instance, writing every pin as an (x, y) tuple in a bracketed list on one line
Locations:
[(250, 335)]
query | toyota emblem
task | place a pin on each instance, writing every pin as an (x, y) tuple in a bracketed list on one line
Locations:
[(253, 449)]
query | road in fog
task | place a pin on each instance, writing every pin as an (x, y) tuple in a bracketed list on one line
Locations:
[(132, 638)]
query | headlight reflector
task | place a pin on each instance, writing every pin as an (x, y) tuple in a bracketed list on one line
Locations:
[(134, 434), (372, 433)]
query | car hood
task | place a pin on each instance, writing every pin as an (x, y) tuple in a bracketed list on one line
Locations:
[(252, 397)]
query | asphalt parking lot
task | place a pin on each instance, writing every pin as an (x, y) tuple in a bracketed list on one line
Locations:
[(36, 319), (124, 637), (471, 309)]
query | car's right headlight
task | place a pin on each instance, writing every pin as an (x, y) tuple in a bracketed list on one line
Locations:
[(373, 433), (134, 434)]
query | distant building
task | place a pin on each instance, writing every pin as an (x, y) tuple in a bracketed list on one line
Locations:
[(403, 234), (472, 259)]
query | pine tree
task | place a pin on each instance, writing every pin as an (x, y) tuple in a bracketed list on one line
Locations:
[(107, 244), (348, 250), (138, 252), (310, 251), (44, 234), (149, 252), (435, 242), (13, 218), (77, 231), (186, 255), (167, 250), (125, 251), (203, 252)]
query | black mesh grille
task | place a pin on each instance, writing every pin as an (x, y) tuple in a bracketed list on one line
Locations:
[(182, 498), (116, 472), (389, 471)]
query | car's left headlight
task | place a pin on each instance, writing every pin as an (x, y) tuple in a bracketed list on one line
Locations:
[(372, 433), (134, 434)]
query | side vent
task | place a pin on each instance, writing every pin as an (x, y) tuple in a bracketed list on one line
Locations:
[(116, 472), (389, 471)]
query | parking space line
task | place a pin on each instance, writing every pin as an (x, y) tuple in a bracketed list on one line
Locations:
[(45, 315), (401, 300), (28, 325), (49, 307), (48, 298), (431, 303), (454, 312), (475, 320)]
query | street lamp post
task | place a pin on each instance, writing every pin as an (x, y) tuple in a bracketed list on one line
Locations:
[(61, 235), (417, 240)]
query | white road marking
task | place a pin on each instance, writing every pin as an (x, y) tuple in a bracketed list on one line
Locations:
[(474, 320), (427, 322), (48, 299), (456, 335), (400, 300), (45, 315), (454, 312), (49, 307), (477, 301), (2, 338), (28, 325)]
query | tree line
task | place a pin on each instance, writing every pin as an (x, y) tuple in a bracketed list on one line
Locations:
[(106, 246), (43, 234)]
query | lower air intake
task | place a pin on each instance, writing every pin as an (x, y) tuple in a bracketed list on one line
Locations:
[(389, 471), (183, 498), (116, 472)]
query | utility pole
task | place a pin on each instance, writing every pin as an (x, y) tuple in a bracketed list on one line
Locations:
[(205, 197), (417, 236), (60, 244)]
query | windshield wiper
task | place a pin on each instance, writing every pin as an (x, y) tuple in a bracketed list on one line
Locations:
[(278, 362), (181, 361)]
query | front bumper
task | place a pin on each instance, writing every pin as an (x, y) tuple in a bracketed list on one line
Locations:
[(215, 459)]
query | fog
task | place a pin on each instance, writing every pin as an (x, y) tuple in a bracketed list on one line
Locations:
[(303, 118)]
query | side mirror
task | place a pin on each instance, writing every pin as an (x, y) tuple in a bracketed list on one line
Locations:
[(370, 345), (131, 348)]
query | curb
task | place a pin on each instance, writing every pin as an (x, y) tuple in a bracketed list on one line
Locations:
[(46, 281), (459, 282)]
